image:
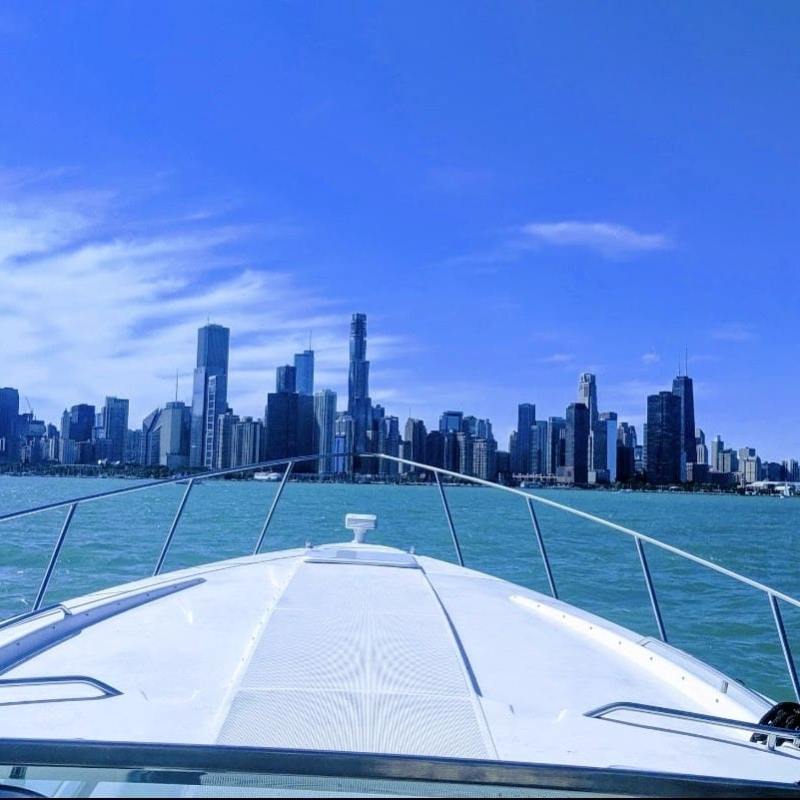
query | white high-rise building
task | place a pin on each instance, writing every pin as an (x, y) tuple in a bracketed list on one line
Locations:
[(702, 449), (717, 448)]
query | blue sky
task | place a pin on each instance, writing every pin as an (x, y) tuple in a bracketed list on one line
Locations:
[(513, 193)]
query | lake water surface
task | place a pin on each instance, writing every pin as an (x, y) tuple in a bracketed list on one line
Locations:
[(118, 539)]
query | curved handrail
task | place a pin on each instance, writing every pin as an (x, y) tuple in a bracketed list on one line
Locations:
[(600, 521), (639, 539), (139, 487)]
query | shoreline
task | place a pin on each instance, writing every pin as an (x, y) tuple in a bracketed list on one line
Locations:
[(101, 473)]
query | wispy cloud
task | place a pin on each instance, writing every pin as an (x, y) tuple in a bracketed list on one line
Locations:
[(734, 332), (607, 238), (91, 307), (651, 358)]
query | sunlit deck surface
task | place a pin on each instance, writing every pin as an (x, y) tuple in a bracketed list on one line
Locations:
[(366, 648)]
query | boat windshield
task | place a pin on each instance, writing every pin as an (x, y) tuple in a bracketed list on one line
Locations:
[(101, 769)]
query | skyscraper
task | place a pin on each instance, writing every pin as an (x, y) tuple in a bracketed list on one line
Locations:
[(605, 447), (281, 418), (626, 451), (304, 371), (526, 416), (663, 438), (717, 448), (700, 444), (114, 424), (248, 442), (223, 453), (209, 393), (416, 435), (358, 400), (77, 426), (587, 394), (165, 437), (176, 422), (451, 458), (484, 458), (324, 430), (683, 389), (451, 421), (465, 453), (576, 455), (434, 449), (9, 411), (538, 449), (286, 379), (556, 444), (389, 444), (151, 439), (343, 445)]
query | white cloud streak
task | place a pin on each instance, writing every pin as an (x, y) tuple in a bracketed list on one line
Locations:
[(607, 238), (85, 312)]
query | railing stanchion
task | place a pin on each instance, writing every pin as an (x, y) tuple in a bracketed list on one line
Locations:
[(37, 603), (271, 511), (540, 541), (650, 588), (449, 520), (787, 651), (172, 528)]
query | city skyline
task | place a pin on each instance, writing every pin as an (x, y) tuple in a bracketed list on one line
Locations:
[(342, 387), (585, 446), (509, 195)]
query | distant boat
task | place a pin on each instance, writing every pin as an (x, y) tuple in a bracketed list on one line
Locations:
[(266, 476)]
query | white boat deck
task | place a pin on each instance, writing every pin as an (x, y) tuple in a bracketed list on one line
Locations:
[(365, 648)]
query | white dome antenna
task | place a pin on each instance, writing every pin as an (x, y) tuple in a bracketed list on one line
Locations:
[(360, 524)]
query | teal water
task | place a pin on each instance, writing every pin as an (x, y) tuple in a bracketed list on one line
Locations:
[(118, 539)]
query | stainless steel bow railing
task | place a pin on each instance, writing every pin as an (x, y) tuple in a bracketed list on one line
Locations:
[(639, 539), (72, 506)]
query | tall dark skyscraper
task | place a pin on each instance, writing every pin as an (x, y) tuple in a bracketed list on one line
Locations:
[(290, 421), (587, 394), (576, 456), (281, 417), (526, 417), (77, 426), (210, 393), (9, 411), (416, 434), (683, 389), (555, 456), (358, 400), (81, 422), (286, 379), (304, 370), (451, 421), (114, 423), (663, 439), (434, 449)]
